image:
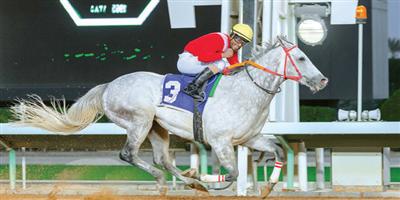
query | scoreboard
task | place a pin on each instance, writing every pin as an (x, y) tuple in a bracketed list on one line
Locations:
[(66, 47)]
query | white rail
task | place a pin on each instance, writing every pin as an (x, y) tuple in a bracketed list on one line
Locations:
[(93, 129), (327, 128), (272, 128)]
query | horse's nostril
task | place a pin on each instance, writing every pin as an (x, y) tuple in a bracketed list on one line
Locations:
[(324, 81)]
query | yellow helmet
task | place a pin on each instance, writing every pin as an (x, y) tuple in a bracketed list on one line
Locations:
[(244, 31)]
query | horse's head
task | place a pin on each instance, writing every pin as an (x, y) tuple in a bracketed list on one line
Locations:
[(297, 66)]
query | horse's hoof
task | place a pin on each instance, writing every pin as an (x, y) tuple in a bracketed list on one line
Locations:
[(125, 157), (198, 186), (202, 193), (163, 190), (267, 190), (191, 173)]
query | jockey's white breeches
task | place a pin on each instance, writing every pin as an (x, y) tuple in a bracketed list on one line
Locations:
[(189, 64)]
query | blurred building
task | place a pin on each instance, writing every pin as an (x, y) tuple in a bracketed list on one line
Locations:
[(337, 57)]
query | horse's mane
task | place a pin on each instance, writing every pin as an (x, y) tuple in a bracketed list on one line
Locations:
[(261, 50), (265, 47)]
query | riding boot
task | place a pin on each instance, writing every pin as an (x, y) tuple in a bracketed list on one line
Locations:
[(194, 89)]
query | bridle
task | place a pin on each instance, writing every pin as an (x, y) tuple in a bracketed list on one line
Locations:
[(258, 66), (289, 57)]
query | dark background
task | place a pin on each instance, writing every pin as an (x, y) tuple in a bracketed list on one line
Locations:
[(337, 58), (42, 50)]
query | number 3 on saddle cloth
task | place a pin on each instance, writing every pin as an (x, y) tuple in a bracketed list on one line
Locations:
[(173, 95)]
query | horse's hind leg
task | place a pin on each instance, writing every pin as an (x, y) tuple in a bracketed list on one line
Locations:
[(159, 139), (137, 133)]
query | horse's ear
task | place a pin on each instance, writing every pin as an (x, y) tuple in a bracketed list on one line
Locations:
[(282, 39), (279, 40)]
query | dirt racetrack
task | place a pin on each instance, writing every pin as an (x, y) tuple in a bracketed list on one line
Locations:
[(110, 196), (127, 192)]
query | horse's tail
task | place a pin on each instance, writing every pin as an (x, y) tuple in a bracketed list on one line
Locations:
[(58, 118)]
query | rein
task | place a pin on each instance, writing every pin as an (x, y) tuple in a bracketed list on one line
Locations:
[(258, 66), (259, 86)]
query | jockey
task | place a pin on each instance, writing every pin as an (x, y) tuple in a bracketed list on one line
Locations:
[(205, 56)]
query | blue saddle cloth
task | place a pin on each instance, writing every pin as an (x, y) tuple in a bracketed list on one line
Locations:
[(173, 95)]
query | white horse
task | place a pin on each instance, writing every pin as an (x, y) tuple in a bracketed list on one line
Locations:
[(235, 115)]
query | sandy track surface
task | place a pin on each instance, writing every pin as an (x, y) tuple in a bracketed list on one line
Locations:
[(144, 192), (108, 196)]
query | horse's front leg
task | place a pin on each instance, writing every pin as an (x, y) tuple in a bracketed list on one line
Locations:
[(263, 144), (226, 155)]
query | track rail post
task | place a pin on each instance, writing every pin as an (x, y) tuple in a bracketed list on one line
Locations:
[(290, 162), (12, 168)]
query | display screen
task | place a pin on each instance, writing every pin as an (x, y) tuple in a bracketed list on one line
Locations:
[(43, 51)]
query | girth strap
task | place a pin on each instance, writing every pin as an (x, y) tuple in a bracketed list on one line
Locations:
[(197, 123)]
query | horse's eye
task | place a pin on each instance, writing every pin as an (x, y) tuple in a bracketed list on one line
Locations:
[(302, 58)]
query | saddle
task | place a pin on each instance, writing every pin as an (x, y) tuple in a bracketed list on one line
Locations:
[(174, 97)]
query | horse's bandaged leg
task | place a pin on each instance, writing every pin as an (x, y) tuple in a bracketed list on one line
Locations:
[(212, 178), (276, 172)]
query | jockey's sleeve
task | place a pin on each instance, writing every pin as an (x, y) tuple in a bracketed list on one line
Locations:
[(209, 56), (207, 48)]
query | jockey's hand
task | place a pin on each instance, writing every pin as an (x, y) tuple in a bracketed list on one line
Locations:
[(226, 71), (229, 72), (227, 53)]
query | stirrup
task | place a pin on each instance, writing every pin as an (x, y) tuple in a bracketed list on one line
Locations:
[(191, 89), (199, 97), (194, 91), (195, 95)]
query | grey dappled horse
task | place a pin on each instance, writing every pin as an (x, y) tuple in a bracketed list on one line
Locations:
[(235, 115)]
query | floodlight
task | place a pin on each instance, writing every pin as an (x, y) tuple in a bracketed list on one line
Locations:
[(347, 115), (366, 115), (371, 115), (311, 29)]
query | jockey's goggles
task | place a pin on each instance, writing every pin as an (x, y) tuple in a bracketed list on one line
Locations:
[(239, 40)]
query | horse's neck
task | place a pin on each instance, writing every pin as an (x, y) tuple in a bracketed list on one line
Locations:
[(251, 102), (270, 60), (245, 88), (266, 80)]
